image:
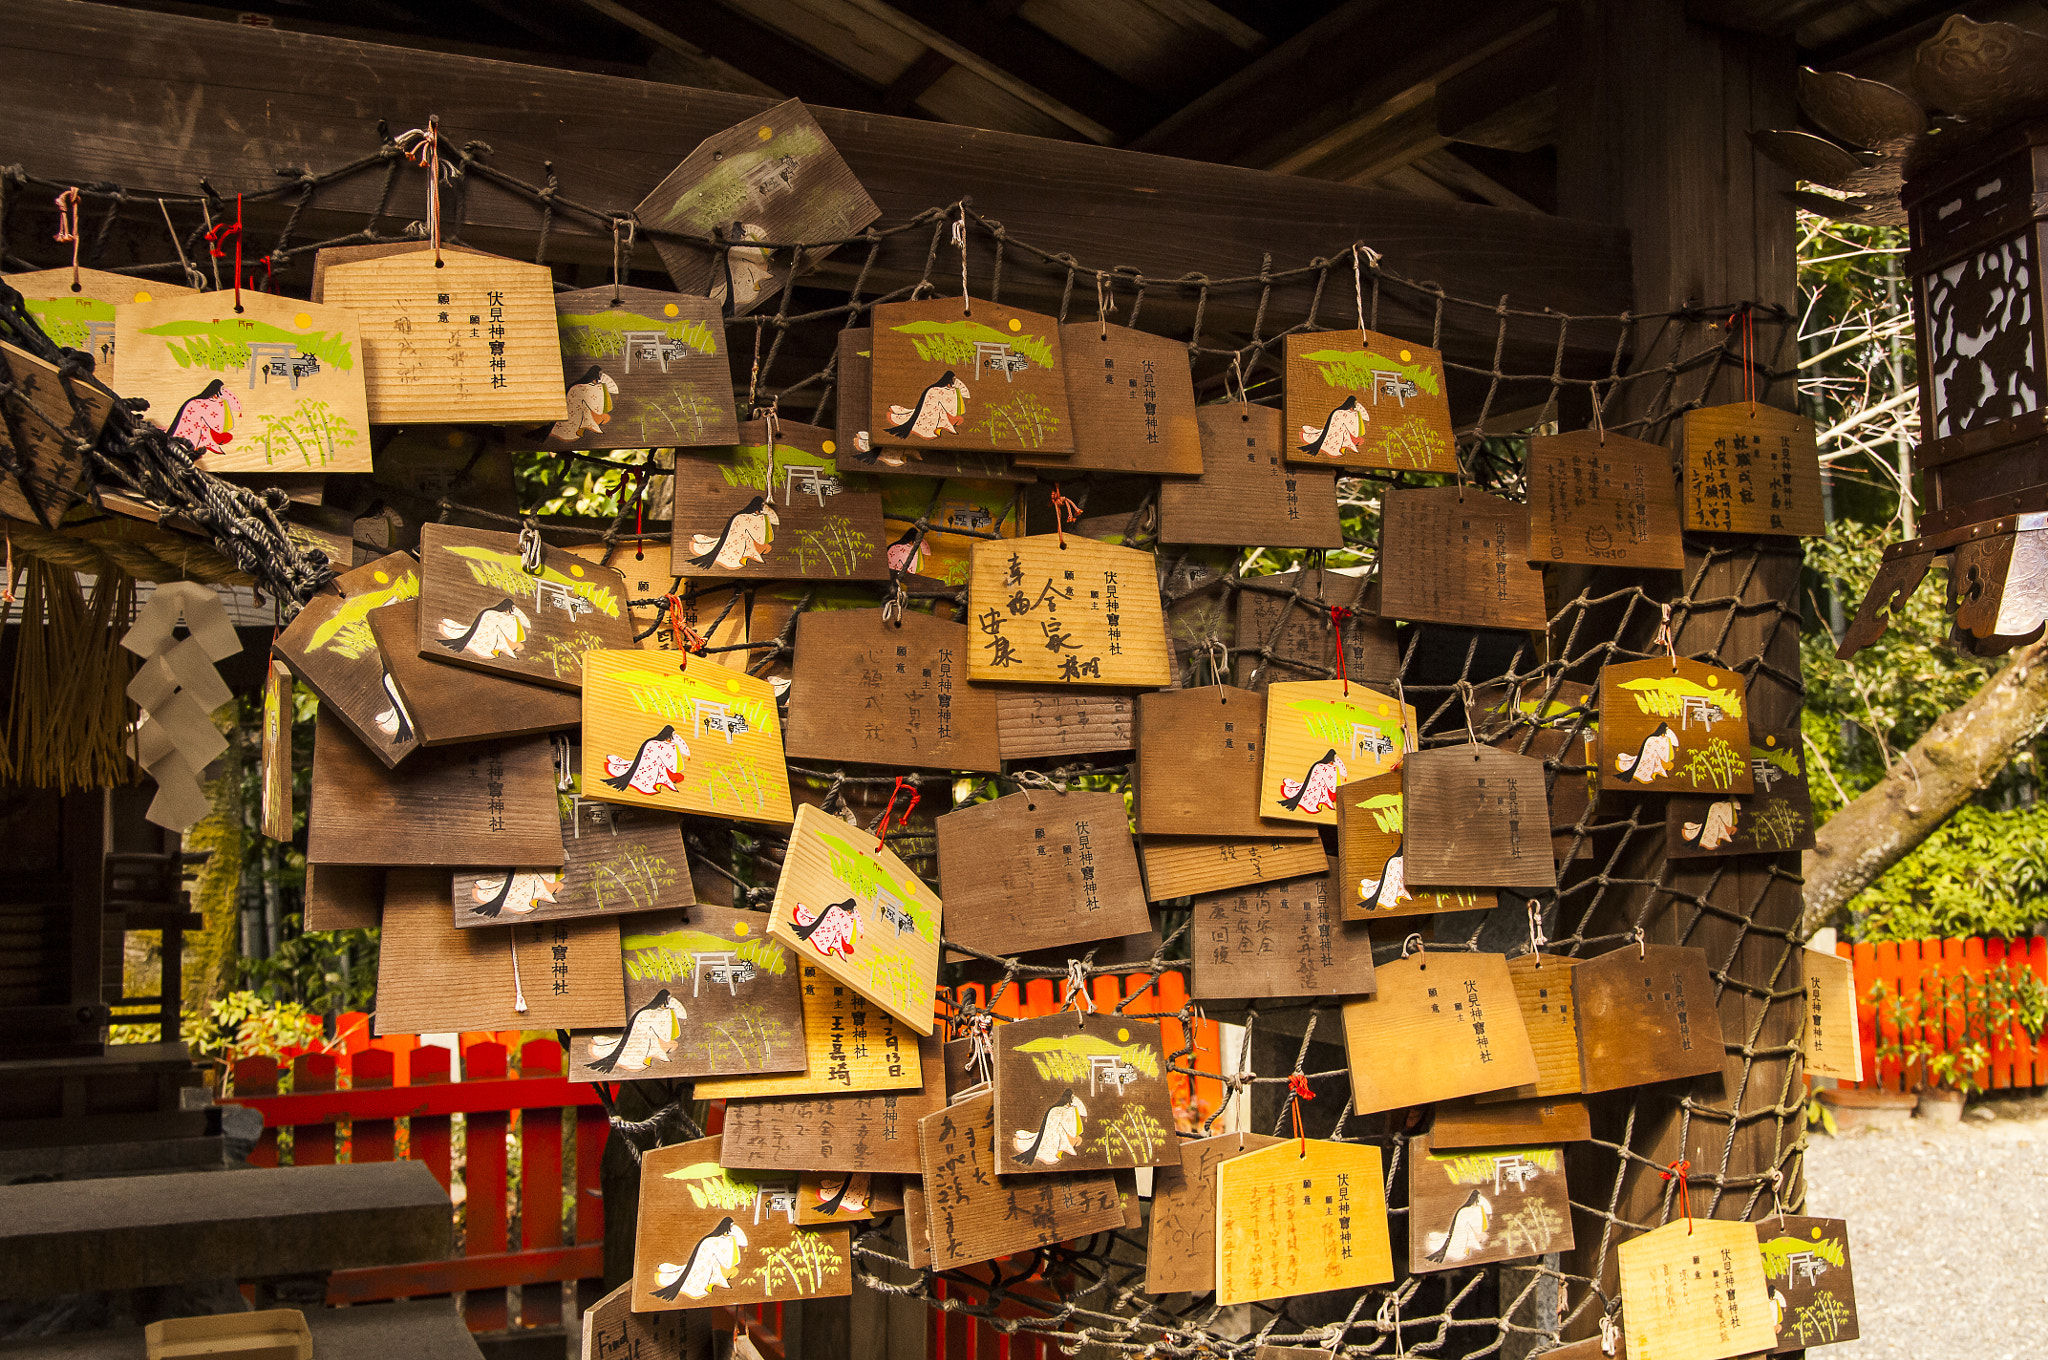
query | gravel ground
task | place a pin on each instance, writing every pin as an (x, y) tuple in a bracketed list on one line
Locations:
[(1947, 1230)]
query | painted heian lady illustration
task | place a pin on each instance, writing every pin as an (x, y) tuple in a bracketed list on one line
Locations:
[(936, 411), (1130, 1136), (1316, 789), (710, 1265), (497, 630), (206, 420), (1340, 432), (847, 1195), (1466, 1235), (832, 930), (590, 400), (1718, 828), (1058, 1133), (517, 891), (394, 722), (1390, 889), (653, 768), (1652, 760), (745, 538), (650, 1036), (908, 552)]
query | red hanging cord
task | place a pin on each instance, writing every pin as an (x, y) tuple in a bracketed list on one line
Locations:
[(217, 238), (1339, 616), (681, 636), (1297, 1091), (882, 827), (1063, 510), (67, 229), (1677, 1172)]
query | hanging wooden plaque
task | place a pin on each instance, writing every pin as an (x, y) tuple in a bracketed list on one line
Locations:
[(641, 369), (1775, 818), (470, 339), (277, 752), (1812, 1288), (710, 1237), (882, 693), (1831, 1042), (775, 177), (828, 1197), (343, 896), (1072, 613), (1695, 1289), (1372, 864), (1752, 470), (1132, 395), (488, 803), (1439, 1026), (1067, 854), (1182, 866), (79, 312), (1200, 763), (1475, 816), (1082, 1093), (37, 420), (860, 914), (908, 455), (1673, 725), (1646, 1013), (1359, 399), (1180, 1254), (430, 979), (613, 1331), (1300, 1218), (1278, 939), (1552, 721), (706, 995), (973, 1214), (1474, 1122), (785, 514), (1322, 734), (966, 373), (448, 704), (480, 608), (1603, 499), (1248, 492), (957, 514), (1042, 724), (1301, 636), (620, 859), (703, 739), (252, 381), (1471, 1208), (1458, 556), (862, 1131), (1543, 988), (331, 647), (850, 1046)]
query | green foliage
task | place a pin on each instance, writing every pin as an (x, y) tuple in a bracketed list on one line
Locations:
[(224, 345), (1949, 1027), (953, 342)]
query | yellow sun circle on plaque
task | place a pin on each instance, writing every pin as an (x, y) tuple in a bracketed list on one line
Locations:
[(671, 310), (1713, 679), (1770, 741), (1406, 357), (1015, 324), (302, 320), (576, 571), (828, 446), (740, 927), (1123, 1036), (732, 687), (379, 577), (142, 297), (765, 133)]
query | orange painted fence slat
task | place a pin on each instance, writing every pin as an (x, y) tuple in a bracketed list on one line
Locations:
[(1910, 967)]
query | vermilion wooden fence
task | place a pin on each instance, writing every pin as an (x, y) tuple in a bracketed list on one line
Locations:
[(1908, 965)]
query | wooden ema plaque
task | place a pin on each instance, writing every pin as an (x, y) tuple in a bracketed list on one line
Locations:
[(1776, 817), (1051, 724), (1132, 397), (1278, 939), (706, 996), (873, 1131), (1180, 1254), (1473, 1122), (1830, 1041), (449, 704), (966, 373), (1183, 866), (1458, 556), (1604, 500), (331, 647), (1301, 635), (490, 802), (1359, 399), (882, 693), (253, 382), (1200, 763), (860, 914), (613, 1331), (1474, 1207), (343, 896), (480, 608), (956, 511), (430, 979), (827, 1197), (1752, 470), (50, 468), (1321, 735), (79, 312), (1476, 817), (1543, 989), (908, 456), (1695, 1289), (1813, 1289), (1646, 1013), (1439, 1026), (619, 860), (702, 739), (641, 369), (1672, 725), (1248, 492), (1564, 732), (469, 339), (277, 752), (781, 513), (1068, 855), (1080, 1092), (1300, 1219), (973, 1214), (773, 177), (1073, 613), (849, 1045), (710, 1237)]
